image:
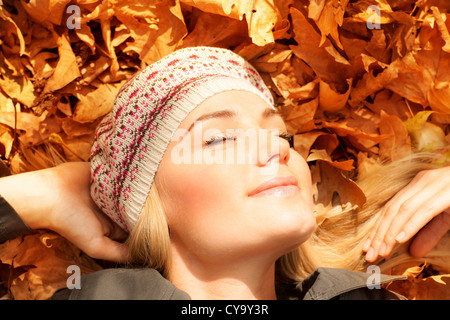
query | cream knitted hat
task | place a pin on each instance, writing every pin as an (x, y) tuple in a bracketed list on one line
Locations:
[(131, 140)]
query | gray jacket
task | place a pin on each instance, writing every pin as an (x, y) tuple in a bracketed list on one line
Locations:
[(148, 284)]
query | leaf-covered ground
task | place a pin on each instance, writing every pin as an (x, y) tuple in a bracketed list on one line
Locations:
[(356, 81)]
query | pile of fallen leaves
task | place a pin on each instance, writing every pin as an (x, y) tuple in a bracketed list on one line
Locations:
[(356, 81)]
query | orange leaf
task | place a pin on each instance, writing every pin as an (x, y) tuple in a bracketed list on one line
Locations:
[(66, 69), (329, 65), (333, 101), (398, 145), (333, 192), (45, 257)]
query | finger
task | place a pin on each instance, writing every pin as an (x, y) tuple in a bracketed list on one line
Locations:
[(412, 215), (368, 242), (117, 233), (436, 206), (382, 216), (367, 247), (106, 249), (109, 227), (429, 236), (389, 212)]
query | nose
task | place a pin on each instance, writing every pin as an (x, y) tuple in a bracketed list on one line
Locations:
[(271, 148)]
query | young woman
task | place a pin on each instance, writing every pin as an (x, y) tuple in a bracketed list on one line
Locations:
[(195, 163)]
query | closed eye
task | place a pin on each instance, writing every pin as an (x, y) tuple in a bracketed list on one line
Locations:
[(223, 138), (219, 139)]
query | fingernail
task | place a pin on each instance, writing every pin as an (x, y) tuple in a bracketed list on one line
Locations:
[(382, 249), (400, 237), (366, 245), (369, 255)]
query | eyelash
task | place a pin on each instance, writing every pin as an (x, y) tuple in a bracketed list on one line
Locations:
[(216, 139), (288, 137)]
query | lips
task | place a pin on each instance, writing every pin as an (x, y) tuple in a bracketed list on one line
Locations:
[(278, 187)]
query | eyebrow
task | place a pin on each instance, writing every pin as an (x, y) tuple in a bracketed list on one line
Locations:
[(267, 113)]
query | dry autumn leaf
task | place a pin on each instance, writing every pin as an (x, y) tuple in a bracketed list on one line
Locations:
[(333, 101), (332, 191), (398, 143), (328, 64), (96, 103), (328, 15), (44, 258), (66, 69), (426, 136)]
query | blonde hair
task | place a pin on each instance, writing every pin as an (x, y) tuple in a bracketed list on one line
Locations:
[(149, 241), (337, 242)]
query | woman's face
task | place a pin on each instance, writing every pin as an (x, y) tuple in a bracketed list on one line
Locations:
[(231, 187)]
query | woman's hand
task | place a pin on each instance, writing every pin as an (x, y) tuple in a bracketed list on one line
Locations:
[(59, 199), (422, 208)]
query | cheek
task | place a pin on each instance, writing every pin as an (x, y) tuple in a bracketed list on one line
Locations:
[(300, 169), (192, 195), (200, 206)]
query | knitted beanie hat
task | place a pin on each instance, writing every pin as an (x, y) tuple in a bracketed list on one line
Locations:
[(131, 140)]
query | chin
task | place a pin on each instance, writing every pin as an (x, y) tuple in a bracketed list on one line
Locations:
[(292, 227)]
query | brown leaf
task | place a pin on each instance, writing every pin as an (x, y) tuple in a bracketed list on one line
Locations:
[(442, 27), (372, 83), (94, 69), (66, 69), (8, 25), (300, 117), (36, 129), (426, 136), (156, 29), (364, 141), (328, 15), (330, 99), (16, 87), (46, 12), (393, 104), (359, 11), (333, 192), (418, 71), (45, 256), (324, 156), (261, 16), (96, 103), (209, 31), (398, 145), (287, 86), (420, 287), (270, 61), (6, 140), (41, 64), (329, 65), (85, 34), (439, 93), (303, 142)]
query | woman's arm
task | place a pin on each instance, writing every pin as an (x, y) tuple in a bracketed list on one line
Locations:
[(58, 199), (421, 208)]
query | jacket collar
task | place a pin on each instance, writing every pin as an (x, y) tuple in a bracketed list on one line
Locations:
[(329, 283)]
